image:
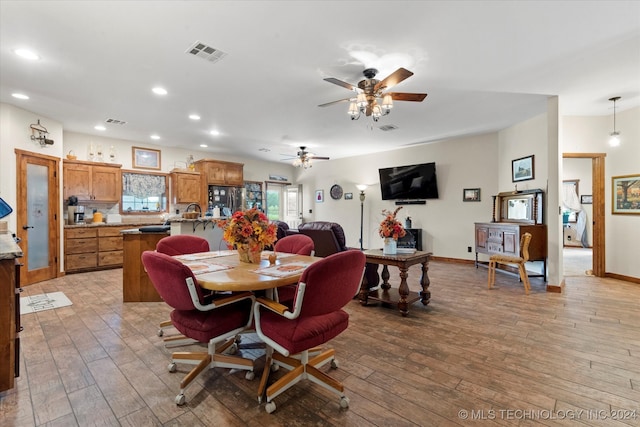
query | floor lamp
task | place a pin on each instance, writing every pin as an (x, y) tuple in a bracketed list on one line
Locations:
[(362, 196)]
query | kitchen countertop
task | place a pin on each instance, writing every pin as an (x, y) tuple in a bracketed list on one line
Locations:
[(115, 224), (9, 249)]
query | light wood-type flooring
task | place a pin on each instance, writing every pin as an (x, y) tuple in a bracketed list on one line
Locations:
[(471, 357)]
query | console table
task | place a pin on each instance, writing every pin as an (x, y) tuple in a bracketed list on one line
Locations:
[(400, 297)]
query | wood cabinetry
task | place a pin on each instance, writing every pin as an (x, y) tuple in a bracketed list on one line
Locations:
[(100, 182), (9, 312), (218, 172), (92, 248), (186, 187), (136, 285)]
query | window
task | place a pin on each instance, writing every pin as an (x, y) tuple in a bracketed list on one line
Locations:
[(143, 192)]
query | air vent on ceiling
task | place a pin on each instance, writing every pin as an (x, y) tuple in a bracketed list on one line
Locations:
[(115, 122), (203, 51), (387, 128)]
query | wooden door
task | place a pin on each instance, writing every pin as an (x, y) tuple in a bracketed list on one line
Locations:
[(38, 216)]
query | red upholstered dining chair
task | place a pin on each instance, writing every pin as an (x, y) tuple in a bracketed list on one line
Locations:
[(215, 323), (179, 244), (298, 244), (317, 316)]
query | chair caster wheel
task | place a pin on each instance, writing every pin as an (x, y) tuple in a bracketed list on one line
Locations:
[(270, 407), (180, 399), (344, 402), (172, 367), (238, 338), (249, 375), (334, 364), (160, 332), (274, 367)]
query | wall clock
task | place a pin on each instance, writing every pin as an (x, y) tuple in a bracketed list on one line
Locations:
[(336, 192)]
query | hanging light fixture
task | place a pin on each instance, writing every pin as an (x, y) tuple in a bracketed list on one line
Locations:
[(614, 141), (361, 105)]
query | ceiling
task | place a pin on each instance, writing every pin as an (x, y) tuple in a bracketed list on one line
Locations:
[(485, 65)]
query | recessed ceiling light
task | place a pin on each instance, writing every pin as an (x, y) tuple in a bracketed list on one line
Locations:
[(194, 117), (99, 127), (159, 91), (203, 145), (215, 132), (27, 54), (20, 95), (155, 136)]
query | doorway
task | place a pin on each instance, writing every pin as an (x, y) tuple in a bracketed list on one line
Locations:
[(597, 191), (38, 211)]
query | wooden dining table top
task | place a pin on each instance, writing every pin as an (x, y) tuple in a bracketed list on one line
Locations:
[(223, 271)]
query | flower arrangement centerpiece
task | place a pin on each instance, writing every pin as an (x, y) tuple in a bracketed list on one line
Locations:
[(391, 230), (249, 231)]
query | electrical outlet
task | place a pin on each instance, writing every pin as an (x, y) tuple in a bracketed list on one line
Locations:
[(469, 249)]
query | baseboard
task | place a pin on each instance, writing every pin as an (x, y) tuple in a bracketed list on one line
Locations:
[(622, 277), (451, 260), (558, 289)]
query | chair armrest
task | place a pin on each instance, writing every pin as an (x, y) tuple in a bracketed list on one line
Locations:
[(272, 305)]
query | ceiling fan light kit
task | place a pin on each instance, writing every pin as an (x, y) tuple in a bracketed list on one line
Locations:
[(371, 100), (303, 159)]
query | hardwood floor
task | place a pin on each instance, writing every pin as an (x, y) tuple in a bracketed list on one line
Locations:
[(497, 357)]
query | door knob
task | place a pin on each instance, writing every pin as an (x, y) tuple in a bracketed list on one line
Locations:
[(25, 227)]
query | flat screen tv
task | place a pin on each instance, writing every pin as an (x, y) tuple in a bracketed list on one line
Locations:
[(409, 182)]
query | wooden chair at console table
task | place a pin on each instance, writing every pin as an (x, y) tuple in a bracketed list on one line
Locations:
[(520, 261)]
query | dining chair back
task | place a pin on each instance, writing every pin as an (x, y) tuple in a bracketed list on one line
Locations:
[(298, 244), (328, 237), (215, 322), (317, 316)]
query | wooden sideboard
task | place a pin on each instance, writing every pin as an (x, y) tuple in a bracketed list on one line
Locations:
[(504, 238), (9, 311)]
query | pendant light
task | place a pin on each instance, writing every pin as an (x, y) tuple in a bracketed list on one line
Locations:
[(614, 141)]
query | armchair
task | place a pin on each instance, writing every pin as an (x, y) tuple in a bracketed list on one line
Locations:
[(317, 316), (328, 237), (179, 245), (215, 323)]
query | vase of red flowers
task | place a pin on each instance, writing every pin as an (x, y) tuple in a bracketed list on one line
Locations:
[(249, 232), (391, 230)]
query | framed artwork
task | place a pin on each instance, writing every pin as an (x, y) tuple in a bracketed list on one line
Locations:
[(522, 169), (319, 196), (586, 199), (626, 194), (471, 195), (348, 196), (145, 158)]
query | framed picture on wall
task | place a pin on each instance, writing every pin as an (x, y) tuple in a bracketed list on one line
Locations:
[(522, 169), (625, 194), (471, 195), (586, 199), (319, 196), (145, 158)]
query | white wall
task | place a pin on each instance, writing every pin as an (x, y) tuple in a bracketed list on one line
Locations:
[(591, 135), (447, 222)]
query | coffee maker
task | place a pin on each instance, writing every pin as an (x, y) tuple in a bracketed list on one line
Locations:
[(75, 213)]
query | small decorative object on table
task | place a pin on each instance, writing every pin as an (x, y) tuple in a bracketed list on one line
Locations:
[(249, 231), (391, 230)]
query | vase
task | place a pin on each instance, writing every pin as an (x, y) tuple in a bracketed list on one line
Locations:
[(247, 254), (390, 246)]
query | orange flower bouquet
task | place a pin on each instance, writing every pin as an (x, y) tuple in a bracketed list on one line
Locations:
[(390, 227), (249, 231)]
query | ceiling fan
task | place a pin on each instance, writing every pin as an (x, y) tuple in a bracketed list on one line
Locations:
[(371, 99), (303, 158)]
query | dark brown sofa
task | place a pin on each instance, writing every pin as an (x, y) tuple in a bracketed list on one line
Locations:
[(328, 237)]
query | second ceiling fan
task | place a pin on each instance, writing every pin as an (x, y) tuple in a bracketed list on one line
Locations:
[(371, 98)]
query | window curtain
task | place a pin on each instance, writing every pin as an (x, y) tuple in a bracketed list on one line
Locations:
[(143, 186), (570, 201)]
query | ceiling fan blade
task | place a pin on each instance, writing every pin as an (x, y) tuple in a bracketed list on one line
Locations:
[(340, 83), (403, 96), (317, 158), (393, 79), (336, 102)]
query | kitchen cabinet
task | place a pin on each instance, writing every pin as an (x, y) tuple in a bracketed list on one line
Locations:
[(186, 187), (218, 172), (91, 181), (93, 248)]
